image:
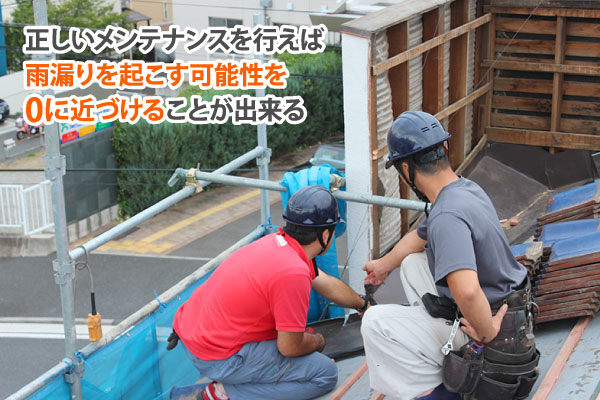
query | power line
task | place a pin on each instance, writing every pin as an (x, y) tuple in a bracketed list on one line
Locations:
[(226, 7)]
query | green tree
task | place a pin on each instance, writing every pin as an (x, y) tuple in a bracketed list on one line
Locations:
[(91, 14), (316, 77)]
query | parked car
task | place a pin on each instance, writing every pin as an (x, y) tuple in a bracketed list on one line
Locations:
[(332, 153), (4, 110)]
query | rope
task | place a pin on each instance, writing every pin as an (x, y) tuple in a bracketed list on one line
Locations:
[(160, 303), (80, 357)]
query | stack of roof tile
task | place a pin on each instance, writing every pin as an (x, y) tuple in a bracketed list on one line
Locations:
[(582, 202), (564, 261), (569, 283), (531, 256)]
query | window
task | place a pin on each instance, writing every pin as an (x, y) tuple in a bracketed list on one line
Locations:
[(227, 22)]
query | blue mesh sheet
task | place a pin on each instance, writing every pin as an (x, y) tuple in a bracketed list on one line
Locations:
[(137, 365)]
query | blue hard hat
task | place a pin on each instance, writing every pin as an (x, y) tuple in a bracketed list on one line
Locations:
[(312, 206), (413, 132)]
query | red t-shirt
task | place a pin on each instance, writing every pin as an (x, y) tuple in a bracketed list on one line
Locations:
[(260, 289)]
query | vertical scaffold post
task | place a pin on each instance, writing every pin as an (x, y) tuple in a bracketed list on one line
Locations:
[(265, 158), (64, 269)]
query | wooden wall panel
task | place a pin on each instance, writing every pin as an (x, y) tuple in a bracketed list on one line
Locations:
[(520, 122), (433, 66), (459, 62), (545, 139), (506, 24), (585, 126), (544, 86), (559, 90), (585, 108)]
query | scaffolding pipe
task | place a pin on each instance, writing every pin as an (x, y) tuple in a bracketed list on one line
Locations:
[(64, 268), (138, 316), (162, 205), (261, 131), (338, 194)]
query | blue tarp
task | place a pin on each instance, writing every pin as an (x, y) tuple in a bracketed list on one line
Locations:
[(328, 262)]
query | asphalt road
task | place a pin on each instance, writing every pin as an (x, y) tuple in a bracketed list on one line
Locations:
[(8, 131), (123, 284), (211, 245)]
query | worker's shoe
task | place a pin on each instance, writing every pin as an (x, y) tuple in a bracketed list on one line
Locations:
[(440, 393), (212, 393)]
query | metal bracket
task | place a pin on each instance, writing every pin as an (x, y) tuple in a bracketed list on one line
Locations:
[(336, 182), (63, 273), (55, 166), (265, 158), (190, 180)]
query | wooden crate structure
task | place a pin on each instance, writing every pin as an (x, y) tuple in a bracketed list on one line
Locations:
[(514, 71), (415, 55), (545, 61)]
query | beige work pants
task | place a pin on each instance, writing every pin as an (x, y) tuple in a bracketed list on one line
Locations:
[(403, 343)]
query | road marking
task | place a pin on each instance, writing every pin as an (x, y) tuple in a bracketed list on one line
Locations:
[(8, 130), (43, 331), (49, 320), (161, 256), (190, 220), (148, 244)]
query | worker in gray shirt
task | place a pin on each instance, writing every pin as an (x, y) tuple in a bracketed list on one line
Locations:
[(457, 270)]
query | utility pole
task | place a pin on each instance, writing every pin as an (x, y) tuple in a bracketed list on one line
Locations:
[(263, 161), (64, 267)]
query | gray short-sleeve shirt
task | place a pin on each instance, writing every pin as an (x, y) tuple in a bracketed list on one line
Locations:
[(463, 232)]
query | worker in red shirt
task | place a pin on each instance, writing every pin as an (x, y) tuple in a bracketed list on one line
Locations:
[(245, 327)]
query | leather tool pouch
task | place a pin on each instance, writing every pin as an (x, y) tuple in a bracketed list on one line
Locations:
[(508, 367), (440, 307), (507, 381), (460, 375)]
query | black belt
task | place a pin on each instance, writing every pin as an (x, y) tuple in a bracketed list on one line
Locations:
[(516, 300), (446, 308)]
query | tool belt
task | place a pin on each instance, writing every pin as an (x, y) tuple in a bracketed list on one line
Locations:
[(507, 367)]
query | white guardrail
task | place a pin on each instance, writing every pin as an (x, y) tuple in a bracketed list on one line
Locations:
[(26, 209)]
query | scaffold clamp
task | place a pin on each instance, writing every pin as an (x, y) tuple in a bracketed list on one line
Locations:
[(336, 182), (55, 166), (75, 369), (265, 158), (63, 273), (190, 180)]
